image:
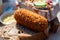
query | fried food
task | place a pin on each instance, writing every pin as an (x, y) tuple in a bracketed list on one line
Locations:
[(31, 20), (38, 36)]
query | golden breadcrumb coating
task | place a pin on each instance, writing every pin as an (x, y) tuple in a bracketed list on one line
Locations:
[(31, 20)]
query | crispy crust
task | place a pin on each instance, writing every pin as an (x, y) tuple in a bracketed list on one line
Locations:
[(31, 20), (38, 36)]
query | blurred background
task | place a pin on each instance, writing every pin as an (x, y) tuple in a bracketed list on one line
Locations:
[(8, 5)]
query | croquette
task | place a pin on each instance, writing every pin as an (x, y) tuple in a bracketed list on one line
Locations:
[(31, 20)]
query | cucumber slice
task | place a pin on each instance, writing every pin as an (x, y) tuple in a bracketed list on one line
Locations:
[(40, 4)]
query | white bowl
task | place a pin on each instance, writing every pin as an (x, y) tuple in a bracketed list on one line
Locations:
[(5, 14)]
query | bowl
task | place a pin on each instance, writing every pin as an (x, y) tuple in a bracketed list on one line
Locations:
[(5, 15)]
